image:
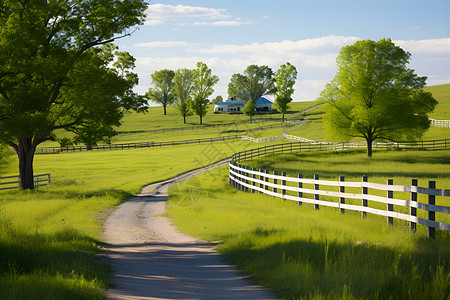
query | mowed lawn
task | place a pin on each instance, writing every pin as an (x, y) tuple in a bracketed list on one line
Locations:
[(302, 253)]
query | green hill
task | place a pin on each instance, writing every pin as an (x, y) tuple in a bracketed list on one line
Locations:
[(442, 94)]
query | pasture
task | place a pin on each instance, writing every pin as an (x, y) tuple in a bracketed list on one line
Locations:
[(49, 238)]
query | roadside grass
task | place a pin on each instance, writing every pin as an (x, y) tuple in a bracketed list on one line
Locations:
[(49, 237), (302, 253)]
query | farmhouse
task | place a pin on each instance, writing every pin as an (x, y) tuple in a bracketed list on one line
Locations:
[(263, 104)]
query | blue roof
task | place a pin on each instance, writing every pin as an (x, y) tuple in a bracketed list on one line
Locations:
[(234, 102), (261, 100)]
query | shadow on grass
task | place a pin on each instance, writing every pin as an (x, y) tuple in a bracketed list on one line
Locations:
[(55, 266), (328, 270)]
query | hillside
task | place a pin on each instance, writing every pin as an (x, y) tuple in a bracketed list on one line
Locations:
[(442, 94)]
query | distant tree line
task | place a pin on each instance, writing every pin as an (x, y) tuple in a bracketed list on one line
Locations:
[(189, 89)]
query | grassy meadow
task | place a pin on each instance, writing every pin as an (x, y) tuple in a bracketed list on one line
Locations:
[(49, 237), (302, 253)]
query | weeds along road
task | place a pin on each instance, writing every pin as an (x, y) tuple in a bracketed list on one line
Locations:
[(152, 260)]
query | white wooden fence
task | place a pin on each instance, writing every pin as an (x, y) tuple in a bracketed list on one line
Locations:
[(291, 188), (263, 140), (13, 182), (440, 123)]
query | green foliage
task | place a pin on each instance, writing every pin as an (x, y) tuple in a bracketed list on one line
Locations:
[(375, 96), (183, 81), (285, 79), (217, 100), (162, 91), (202, 88), (255, 82), (250, 109), (55, 75)]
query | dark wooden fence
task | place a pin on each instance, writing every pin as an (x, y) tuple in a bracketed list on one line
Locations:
[(12, 182), (135, 145), (305, 146)]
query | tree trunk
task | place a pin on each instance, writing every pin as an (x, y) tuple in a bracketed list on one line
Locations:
[(184, 118), (369, 145), (283, 117), (201, 121), (251, 119), (25, 152), (164, 109)]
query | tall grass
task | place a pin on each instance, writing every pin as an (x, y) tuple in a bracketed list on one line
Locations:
[(301, 253)]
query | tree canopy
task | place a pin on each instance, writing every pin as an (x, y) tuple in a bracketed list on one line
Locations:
[(184, 79), (202, 88), (255, 82), (285, 78), (375, 96), (162, 91), (54, 74)]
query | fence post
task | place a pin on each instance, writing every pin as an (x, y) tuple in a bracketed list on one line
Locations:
[(341, 190), (267, 179), (431, 214), (316, 187), (253, 181), (283, 182), (275, 181), (261, 178), (413, 210), (390, 207), (364, 201), (300, 185)]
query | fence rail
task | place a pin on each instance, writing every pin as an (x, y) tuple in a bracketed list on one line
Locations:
[(440, 123), (292, 188), (320, 146), (13, 182), (135, 145), (249, 179)]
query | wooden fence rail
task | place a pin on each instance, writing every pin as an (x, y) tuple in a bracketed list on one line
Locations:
[(292, 188), (251, 180), (440, 123), (135, 145), (307, 146), (13, 182)]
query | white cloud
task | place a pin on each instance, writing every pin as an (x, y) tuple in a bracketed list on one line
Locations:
[(432, 46), (315, 60), (157, 14), (166, 44), (266, 17), (222, 23)]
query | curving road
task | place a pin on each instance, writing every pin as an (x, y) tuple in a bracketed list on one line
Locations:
[(152, 260)]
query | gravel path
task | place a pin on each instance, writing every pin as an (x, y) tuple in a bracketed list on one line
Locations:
[(152, 260)]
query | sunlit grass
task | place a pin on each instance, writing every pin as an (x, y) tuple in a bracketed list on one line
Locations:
[(301, 253), (49, 237)]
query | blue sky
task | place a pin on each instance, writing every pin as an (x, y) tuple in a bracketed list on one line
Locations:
[(230, 35)]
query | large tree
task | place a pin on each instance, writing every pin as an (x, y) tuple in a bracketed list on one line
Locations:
[(285, 78), (162, 90), (375, 96), (183, 87), (202, 88), (255, 82), (54, 75)]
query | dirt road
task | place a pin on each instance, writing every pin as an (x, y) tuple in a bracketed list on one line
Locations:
[(152, 260)]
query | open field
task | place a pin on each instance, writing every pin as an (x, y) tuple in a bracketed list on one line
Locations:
[(442, 94), (301, 253), (48, 237)]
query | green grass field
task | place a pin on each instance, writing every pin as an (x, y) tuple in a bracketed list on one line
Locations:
[(301, 253), (442, 94), (49, 237)]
